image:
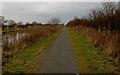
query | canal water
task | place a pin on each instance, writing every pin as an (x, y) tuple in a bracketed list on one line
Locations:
[(12, 38)]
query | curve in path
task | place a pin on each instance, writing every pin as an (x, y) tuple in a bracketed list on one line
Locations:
[(59, 57)]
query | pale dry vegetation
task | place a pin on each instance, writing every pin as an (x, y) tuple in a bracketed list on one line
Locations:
[(102, 28), (34, 34)]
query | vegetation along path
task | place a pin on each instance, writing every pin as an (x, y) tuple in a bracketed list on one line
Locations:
[(59, 57)]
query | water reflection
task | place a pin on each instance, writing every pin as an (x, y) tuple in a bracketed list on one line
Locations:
[(12, 38)]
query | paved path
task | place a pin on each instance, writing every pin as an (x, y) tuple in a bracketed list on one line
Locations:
[(59, 57)]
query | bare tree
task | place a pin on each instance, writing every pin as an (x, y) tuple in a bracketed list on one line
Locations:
[(54, 21), (34, 23), (10, 22), (20, 23), (109, 8)]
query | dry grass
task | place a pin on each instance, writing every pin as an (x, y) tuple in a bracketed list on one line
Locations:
[(91, 59), (34, 34), (105, 39)]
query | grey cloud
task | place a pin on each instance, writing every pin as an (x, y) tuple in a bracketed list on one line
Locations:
[(43, 11)]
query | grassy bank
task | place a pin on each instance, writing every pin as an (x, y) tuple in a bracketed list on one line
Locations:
[(26, 59), (33, 35), (91, 59)]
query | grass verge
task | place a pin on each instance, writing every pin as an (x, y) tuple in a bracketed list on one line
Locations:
[(25, 60), (89, 58)]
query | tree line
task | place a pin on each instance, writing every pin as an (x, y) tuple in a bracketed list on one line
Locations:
[(12, 23), (106, 17), (102, 28)]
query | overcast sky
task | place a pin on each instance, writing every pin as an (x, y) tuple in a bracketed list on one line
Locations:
[(60, 0), (0, 7), (44, 11)]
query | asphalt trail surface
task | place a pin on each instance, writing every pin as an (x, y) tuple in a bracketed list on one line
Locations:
[(59, 56)]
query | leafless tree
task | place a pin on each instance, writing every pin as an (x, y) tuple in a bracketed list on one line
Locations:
[(20, 23), (54, 21), (109, 8)]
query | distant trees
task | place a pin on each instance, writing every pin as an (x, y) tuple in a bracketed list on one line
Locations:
[(101, 27), (75, 22), (2, 19), (34, 23), (11, 22), (108, 16), (54, 21), (103, 17), (20, 23)]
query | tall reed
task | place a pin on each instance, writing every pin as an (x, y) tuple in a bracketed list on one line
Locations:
[(107, 40), (34, 34)]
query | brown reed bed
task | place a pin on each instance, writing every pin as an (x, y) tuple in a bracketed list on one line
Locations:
[(33, 35), (108, 41)]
